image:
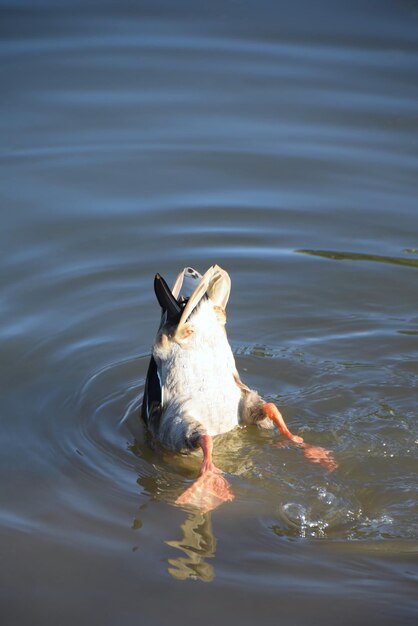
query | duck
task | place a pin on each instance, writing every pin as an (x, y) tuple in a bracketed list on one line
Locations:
[(193, 391)]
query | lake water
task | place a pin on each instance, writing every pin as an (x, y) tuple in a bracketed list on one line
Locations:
[(278, 140)]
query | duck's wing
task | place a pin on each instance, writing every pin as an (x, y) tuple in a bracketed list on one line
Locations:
[(168, 303), (214, 284), (152, 400)]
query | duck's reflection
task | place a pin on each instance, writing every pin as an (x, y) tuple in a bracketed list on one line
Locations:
[(198, 544)]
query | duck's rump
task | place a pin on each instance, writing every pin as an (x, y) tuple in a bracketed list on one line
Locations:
[(201, 387), (198, 396)]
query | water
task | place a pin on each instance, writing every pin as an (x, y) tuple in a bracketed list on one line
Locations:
[(280, 142)]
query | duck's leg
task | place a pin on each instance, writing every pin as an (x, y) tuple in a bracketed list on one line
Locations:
[(272, 412), (210, 489), (315, 454)]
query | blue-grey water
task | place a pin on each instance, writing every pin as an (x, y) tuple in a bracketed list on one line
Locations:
[(279, 140)]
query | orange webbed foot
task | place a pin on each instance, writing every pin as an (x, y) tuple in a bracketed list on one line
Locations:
[(211, 489), (316, 454), (208, 492)]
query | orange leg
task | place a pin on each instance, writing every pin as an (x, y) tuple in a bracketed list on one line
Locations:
[(315, 454), (274, 414), (206, 443), (210, 489)]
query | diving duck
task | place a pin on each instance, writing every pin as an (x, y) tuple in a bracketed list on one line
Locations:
[(193, 391)]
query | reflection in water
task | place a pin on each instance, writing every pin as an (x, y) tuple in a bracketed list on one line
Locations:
[(354, 256), (198, 543)]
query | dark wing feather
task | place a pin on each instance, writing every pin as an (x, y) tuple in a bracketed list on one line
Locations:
[(165, 298), (152, 392)]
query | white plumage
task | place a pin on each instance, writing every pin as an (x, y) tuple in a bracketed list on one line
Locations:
[(197, 375)]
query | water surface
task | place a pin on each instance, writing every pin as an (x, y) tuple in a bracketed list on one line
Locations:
[(280, 142)]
